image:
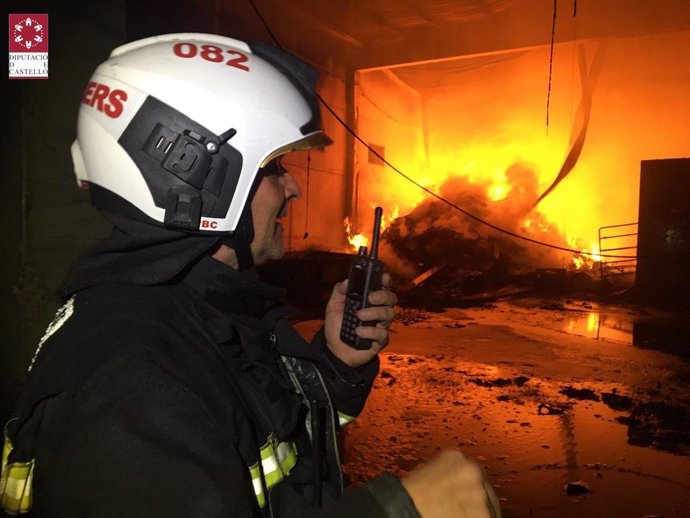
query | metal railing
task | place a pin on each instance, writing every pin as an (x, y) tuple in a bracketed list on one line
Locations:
[(616, 240)]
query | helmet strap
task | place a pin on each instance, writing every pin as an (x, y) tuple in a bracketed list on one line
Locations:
[(242, 249), (245, 260), (240, 240)]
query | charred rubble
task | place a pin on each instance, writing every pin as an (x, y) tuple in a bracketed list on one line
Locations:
[(451, 259)]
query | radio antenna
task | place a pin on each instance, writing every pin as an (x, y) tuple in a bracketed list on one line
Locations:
[(378, 212)]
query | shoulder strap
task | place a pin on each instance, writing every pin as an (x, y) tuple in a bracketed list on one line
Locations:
[(321, 422)]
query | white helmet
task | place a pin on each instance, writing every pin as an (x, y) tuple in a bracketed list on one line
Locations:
[(179, 125)]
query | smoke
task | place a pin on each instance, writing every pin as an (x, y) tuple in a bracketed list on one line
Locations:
[(435, 233)]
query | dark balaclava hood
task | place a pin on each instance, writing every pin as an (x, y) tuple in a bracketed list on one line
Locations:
[(138, 251)]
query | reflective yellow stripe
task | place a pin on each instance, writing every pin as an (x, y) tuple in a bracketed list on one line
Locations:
[(255, 473), (277, 459), (15, 483), (287, 456), (344, 419)]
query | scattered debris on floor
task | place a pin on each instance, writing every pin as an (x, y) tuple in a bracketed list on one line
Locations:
[(577, 488), (584, 394)]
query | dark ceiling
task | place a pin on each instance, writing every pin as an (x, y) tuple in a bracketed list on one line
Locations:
[(359, 34)]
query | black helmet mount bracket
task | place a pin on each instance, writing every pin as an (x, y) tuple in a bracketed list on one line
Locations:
[(188, 170)]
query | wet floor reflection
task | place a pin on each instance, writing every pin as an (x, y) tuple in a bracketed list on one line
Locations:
[(601, 326), (659, 332), (642, 327)]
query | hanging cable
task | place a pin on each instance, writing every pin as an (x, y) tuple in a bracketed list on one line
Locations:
[(441, 198), (263, 21), (553, 37), (306, 213)]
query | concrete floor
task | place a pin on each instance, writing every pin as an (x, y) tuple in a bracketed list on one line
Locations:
[(543, 394)]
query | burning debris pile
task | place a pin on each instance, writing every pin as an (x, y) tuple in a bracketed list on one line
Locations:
[(439, 247)]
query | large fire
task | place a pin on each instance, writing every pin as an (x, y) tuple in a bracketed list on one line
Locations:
[(483, 142)]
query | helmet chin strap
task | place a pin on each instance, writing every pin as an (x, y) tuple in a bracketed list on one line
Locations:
[(241, 239), (243, 252)]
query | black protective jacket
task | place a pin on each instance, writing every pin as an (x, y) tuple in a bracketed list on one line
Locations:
[(193, 398)]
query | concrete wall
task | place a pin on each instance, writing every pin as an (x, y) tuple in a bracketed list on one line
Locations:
[(316, 221), (390, 118)]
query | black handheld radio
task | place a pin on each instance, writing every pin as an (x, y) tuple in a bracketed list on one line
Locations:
[(365, 277)]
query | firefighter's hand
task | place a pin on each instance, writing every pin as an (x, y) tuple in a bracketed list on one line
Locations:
[(451, 486), (381, 310)]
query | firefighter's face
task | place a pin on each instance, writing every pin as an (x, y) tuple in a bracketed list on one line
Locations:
[(276, 189)]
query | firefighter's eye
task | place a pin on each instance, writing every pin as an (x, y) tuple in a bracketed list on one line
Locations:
[(274, 167)]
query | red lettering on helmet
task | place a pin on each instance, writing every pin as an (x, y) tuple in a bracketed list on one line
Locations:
[(106, 101), (209, 224), (116, 100), (237, 62), (212, 53), (88, 92), (99, 95)]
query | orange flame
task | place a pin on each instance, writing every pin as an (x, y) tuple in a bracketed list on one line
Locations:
[(354, 240), (357, 240), (587, 259), (390, 217)]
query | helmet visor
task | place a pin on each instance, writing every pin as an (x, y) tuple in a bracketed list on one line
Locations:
[(314, 140)]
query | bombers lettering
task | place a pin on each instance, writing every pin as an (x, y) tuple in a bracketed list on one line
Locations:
[(105, 100)]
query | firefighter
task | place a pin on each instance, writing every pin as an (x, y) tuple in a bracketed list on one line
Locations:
[(170, 382)]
